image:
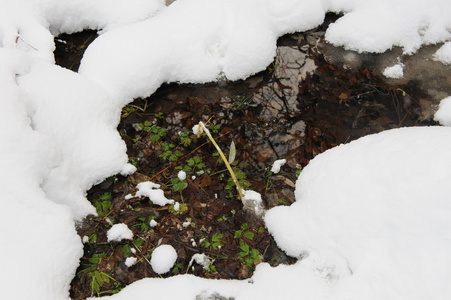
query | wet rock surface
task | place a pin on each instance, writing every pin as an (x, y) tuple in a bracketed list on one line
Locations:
[(300, 106)]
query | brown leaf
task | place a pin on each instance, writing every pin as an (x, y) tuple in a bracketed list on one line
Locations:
[(205, 181)]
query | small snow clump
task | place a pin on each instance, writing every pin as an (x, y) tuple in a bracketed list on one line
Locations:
[(253, 202), (277, 165), (181, 175), (119, 232), (153, 223), (177, 206), (130, 261), (128, 169), (202, 260), (394, 72), (163, 258), (153, 192), (196, 129)]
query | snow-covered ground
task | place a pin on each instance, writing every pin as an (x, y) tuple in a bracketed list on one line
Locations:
[(371, 218)]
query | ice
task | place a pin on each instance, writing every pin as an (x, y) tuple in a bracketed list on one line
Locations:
[(163, 258), (119, 232)]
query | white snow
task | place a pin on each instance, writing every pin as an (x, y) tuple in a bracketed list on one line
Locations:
[(201, 259), (128, 169), (181, 175), (252, 201), (371, 216), (163, 258), (153, 192), (153, 223), (176, 206), (130, 261), (443, 114), (381, 223), (197, 129), (277, 165), (119, 232), (395, 71), (444, 54)]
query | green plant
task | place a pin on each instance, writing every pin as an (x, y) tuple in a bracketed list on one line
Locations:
[(216, 241), (130, 108), (98, 278), (169, 153), (178, 185), (215, 128), (103, 204), (157, 131), (283, 201), (244, 231), (133, 162), (194, 164), (185, 140), (178, 267), (182, 208), (298, 172), (248, 255), (240, 177), (210, 267), (159, 115), (223, 218), (127, 248), (144, 223)]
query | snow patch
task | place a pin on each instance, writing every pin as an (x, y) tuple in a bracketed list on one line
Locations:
[(119, 232), (277, 165), (163, 258), (395, 71)]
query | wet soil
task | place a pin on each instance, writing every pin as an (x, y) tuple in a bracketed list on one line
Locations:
[(299, 107)]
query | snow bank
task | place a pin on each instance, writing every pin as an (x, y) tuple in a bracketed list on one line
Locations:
[(40, 247), (383, 219), (377, 26), (29, 25)]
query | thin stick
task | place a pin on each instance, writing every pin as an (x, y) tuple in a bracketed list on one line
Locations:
[(207, 132)]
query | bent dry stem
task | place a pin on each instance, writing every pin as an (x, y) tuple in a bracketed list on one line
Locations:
[(224, 159)]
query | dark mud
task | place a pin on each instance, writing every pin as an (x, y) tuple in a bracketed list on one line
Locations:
[(300, 106)]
